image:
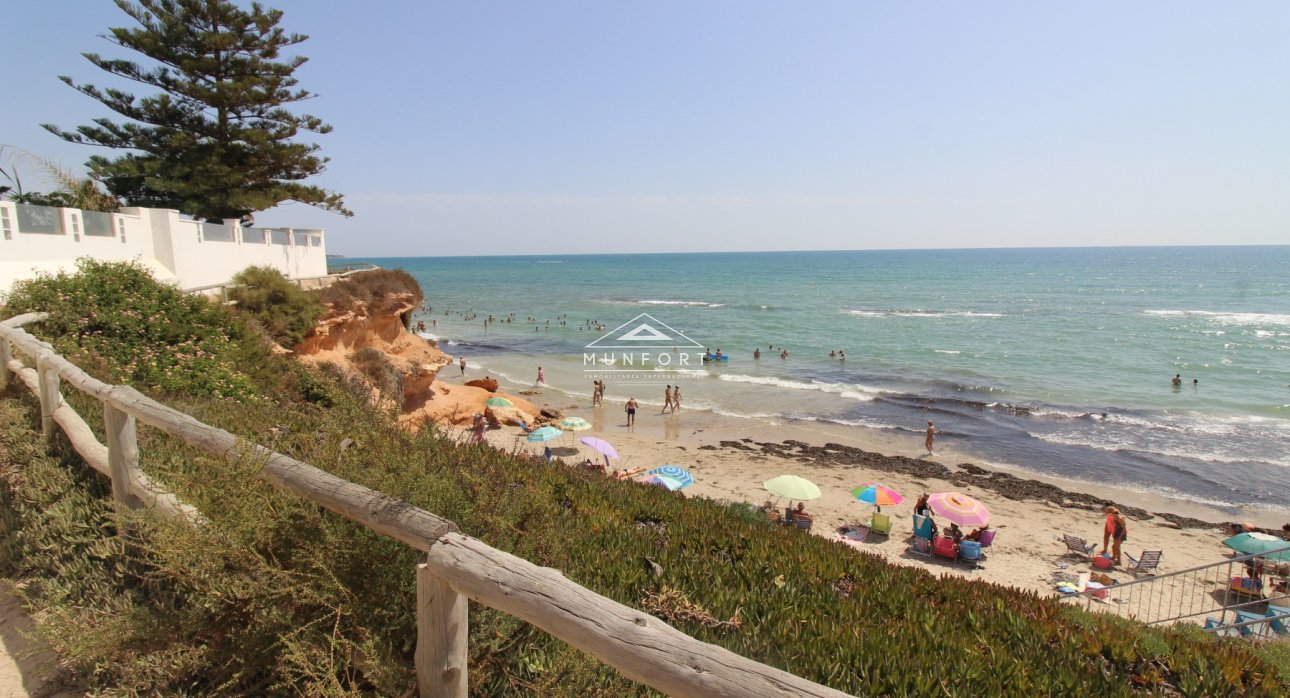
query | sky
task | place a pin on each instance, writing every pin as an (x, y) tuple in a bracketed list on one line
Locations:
[(597, 127)]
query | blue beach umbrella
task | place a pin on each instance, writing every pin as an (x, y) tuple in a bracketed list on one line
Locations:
[(674, 472), (671, 484), (544, 434)]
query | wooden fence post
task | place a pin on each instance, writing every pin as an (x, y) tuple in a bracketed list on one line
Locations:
[(123, 452), (50, 398), (441, 637), (6, 355)]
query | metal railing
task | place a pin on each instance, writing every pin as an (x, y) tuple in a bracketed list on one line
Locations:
[(1193, 593), (350, 267)]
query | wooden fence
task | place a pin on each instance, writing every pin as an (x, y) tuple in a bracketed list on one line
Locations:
[(456, 567)]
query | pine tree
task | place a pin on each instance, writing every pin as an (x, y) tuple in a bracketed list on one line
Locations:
[(216, 142)]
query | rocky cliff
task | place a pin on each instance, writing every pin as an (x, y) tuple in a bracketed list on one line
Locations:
[(369, 342)]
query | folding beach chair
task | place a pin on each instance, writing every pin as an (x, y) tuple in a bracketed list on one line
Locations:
[(1146, 564), (880, 523), (1076, 545)]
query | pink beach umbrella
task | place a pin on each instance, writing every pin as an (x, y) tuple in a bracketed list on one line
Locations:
[(599, 446), (959, 508)]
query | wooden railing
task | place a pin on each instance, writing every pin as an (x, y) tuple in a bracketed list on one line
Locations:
[(456, 567)]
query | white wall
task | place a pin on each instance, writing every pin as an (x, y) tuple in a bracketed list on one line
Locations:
[(173, 247)]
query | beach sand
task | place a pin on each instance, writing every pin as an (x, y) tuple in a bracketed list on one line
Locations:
[(731, 457)]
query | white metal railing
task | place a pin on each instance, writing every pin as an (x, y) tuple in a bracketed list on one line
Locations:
[(1193, 593)]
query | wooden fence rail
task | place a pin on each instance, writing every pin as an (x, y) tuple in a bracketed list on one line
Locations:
[(456, 567)]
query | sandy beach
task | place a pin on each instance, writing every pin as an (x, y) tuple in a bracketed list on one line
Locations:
[(731, 457)]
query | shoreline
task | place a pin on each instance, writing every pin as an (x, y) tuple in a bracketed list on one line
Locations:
[(883, 450), (731, 456)]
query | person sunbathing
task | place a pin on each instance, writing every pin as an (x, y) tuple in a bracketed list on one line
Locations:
[(627, 474)]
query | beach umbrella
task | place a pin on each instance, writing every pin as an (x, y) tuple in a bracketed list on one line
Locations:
[(544, 434), (574, 424), (674, 472), (959, 508), (792, 487), (877, 494), (672, 484), (1255, 543), (599, 446), (498, 402)]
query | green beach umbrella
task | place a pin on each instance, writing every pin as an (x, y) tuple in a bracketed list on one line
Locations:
[(1255, 543), (792, 487), (574, 424), (498, 402)]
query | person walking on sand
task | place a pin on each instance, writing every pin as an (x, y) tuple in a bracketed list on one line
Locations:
[(462, 361), (541, 380), (631, 411), (931, 435), (676, 398), (667, 400), (595, 392)]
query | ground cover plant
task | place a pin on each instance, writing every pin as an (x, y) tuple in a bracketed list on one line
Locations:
[(278, 597)]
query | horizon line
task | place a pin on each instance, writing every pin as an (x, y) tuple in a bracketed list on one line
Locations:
[(855, 249)]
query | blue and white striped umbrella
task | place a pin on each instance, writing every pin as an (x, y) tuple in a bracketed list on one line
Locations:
[(544, 434), (674, 472)]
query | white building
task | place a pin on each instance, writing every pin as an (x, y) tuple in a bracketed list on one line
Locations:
[(188, 253)]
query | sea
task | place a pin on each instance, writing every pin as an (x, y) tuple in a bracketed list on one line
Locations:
[(1058, 362)]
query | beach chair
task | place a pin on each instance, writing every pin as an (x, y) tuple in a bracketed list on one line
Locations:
[(970, 551), (1246, 586), (1221, 629), (1264, 629), (987, 539), (803, 521), (921, 546), (944, 546), (1076, 545), (922, 527), (1146, 564), (880, 523)]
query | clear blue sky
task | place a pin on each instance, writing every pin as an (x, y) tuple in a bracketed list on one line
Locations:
[(566, 127)]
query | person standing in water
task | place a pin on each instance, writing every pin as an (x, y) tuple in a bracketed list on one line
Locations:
[(931, 435), (462, 362), (1177, 381), (541, 379), (667, 400)]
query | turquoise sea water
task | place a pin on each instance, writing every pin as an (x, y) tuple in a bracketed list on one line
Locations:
[(1054, 360)]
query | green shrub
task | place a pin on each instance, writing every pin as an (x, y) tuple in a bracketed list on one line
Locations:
[(285, 312), (114, 314)]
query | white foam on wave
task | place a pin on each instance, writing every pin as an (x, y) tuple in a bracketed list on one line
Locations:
[(1126, 442), (947, 351), (846, 390), (1227, 318), (861, 312), (684, 304), (437, 338)]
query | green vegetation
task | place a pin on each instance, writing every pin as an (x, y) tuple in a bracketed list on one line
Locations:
[(278, 597), (217, 141), (378, 289), (277, 305)]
